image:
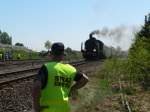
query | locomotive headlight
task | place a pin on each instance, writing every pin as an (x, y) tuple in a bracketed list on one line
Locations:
[(94, 50)]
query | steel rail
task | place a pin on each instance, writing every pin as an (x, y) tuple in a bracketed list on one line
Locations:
[(32, 61), (13, 76), (19, 62), (124, 100)]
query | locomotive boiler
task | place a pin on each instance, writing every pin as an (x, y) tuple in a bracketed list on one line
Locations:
[(93, 48)]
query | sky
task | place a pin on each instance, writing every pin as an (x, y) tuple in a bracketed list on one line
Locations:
[(33, 22)]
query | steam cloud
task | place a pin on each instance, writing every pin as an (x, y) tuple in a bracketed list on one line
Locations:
[(119, 36)]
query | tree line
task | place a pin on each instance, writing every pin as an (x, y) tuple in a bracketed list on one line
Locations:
[(5, 38)]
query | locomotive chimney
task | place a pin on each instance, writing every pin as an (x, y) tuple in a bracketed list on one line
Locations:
[(91, 35)]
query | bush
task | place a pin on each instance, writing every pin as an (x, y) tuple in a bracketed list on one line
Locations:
[(114, 68), (139, 56)]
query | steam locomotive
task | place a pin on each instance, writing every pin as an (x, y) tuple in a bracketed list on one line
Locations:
[(93, 48)]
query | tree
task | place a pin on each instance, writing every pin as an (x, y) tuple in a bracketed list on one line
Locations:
[(5, 38), (48, 45), (68, 50), (139, 54), (19, 44)]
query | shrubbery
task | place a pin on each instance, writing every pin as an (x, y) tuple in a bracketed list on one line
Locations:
[(113, 69), (136, 68), (139, 55)]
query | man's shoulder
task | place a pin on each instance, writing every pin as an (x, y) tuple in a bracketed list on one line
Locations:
[(43, 68), (69, 66)]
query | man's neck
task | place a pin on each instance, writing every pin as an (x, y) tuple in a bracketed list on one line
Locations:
[(56, 59)]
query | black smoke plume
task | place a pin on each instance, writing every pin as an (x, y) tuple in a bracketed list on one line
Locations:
[(117, 34)]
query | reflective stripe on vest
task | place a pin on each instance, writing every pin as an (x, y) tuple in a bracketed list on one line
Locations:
[(54, 97)]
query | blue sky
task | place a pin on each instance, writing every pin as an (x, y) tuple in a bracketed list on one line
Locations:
[(32, 22)]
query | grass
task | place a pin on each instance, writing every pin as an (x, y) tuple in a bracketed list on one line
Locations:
[(93, 93)]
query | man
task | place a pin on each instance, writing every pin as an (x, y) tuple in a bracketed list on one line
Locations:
[(1, 56), (54, 83)]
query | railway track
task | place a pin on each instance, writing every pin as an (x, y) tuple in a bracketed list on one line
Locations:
[(16, 94), (124, 100), (20, 62), (26, 73)]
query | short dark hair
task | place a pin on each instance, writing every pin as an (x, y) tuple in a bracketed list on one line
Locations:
[(57, 49)]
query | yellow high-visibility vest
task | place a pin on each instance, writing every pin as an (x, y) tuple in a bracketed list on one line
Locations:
[(54, 97)]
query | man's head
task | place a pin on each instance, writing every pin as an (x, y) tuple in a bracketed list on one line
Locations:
[(57, 49)]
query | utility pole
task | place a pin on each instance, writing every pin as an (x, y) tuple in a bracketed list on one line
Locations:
[(145, 19), (149, 18), (11, 49)]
